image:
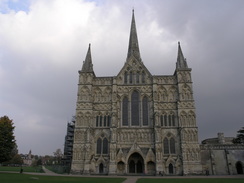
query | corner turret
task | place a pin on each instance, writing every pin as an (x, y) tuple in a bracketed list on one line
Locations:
[(181, 61)]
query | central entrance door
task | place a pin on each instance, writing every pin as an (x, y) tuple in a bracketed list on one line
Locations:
[(136, 163)]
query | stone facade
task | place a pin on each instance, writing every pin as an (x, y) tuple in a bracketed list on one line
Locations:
[(219, 156), (136, 122)]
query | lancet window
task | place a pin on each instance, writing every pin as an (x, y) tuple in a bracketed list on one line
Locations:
[(135, 112), (168, 120), (102, 145), (135, 108), (125, 110), (169, 145), (134, 77), (103, 121)]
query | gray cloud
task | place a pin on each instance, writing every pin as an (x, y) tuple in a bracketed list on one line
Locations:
[(43, 46)]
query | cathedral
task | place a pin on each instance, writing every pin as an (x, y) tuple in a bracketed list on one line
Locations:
[(136, 122)]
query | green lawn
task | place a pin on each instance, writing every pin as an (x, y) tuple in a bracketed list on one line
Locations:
[(25, 178), (25, 169), (192, 180)]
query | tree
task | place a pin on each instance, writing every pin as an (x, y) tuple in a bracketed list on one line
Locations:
[(17, 160), (239, 137), (58, 156), (7, 139)]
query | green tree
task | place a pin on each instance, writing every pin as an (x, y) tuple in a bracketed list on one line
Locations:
[(17, 160), (239, 137), (7, 139)]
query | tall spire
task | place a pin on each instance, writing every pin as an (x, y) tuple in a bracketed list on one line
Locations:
[(133, 48), (181, 61), (87, 64)]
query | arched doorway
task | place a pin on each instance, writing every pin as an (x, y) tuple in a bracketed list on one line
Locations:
[(120, 167), (132, 167), (151, 168), (101, 168), (239, 168), (171, 169), (136, 163)]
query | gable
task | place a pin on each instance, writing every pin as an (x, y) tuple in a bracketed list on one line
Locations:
[(134, 72)]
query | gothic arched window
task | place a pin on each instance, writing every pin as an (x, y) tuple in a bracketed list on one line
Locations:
[(169, 120), (105, 121), (173, 120), (99, 146), (137, 77), (125, 111), (131, 77), (145, 110), (102, 146), (172, 145), (97, 120), (166, 146), (109, 120), (105, 146), (125, 77), (143, 77), (101, 120), (135, 108), (165, 120)]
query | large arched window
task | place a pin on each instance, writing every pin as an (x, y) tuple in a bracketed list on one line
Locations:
[(109, 120), (166, 146), (172, 145), (105, 121), (125, 112), (102, 146), (125, 77), (135, 108), (145, 110), (143, 77), (105, 146), (97, 120), (101, 120), (169, 120), (99, 146), (137, 77), (173, 120), (169, 145), (131, 77)]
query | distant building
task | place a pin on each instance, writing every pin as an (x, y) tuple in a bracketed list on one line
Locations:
[(27, 158), (219, 156)]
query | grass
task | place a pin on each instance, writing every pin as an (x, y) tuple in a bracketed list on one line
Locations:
[(25, 169), (26, 178), (192, 180)]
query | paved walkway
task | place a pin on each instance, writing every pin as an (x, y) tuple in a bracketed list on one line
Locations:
[(131, 180), (48, 171)]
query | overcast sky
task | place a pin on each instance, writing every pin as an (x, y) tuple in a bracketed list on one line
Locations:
[(44, 42)]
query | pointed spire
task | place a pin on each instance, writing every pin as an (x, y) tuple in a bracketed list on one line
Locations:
[(133, 48), (181, 61), (87, 64)]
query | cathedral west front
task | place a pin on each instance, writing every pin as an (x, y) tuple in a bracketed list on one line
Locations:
[(136, 122)]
